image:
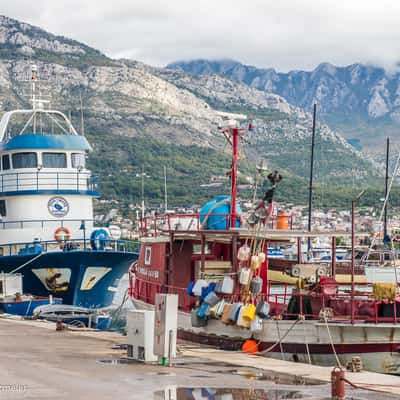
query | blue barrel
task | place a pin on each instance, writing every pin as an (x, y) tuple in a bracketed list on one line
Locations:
[(99, 239), (215, 216)]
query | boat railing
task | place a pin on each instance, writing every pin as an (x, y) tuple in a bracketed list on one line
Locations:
[(46, 223), (48, 246), (43, 180), (286, 302), (146, 290), (163, 224)]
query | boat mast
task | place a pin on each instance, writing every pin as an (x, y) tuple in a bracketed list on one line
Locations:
[(143, 210), (165, 190), (235, 156), (232, 132), (82, 122), (385, 235), (33, 88), (310, 190)]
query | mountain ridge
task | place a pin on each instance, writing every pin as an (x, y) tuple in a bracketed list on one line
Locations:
[(349, 98)]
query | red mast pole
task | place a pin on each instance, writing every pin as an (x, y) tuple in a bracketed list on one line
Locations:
[(235, 152)]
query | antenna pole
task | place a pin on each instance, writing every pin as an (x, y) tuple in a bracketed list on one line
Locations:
[(165, 190), (33, 88), (235, 156), (310, 192), (142, 191), (82, 123), (70, 119), (386, 190)]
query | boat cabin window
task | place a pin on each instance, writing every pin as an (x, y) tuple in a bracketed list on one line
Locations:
[(78, 160), (24, 160), (388, 257), (6, 161), (3, 210), (54, 160), (374, 257), (197, 248), (147, 255)]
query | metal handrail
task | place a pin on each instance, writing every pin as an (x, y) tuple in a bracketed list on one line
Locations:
[(120, 245), (45, 180), (151, 221), (145, 290), (23, 223)]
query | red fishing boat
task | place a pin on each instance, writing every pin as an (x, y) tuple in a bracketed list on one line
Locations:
[(230, 291)]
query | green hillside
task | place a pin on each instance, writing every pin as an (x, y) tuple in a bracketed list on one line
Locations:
[(118, 165)]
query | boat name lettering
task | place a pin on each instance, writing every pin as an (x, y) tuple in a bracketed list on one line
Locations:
[(151, 273)]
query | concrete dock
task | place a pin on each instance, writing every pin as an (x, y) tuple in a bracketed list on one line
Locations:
[(39, 363)]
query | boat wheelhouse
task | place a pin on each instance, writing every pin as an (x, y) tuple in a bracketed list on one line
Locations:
[(47, 229)]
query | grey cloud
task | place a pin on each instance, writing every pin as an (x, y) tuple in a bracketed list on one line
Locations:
[(285, 34)]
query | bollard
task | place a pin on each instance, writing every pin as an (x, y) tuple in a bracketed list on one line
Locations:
[(337, 384), (59, 325)]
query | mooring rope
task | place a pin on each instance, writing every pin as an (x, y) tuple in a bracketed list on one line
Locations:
[(331, 340), (25, 264), (281, 339)]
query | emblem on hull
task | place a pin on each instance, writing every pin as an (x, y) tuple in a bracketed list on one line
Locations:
[(58, 206)]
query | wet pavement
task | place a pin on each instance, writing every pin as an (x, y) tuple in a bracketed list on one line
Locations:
[(43, 364)]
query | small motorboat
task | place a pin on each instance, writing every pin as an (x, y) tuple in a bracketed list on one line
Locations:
[(74, 315), (12, 301), (25, 304)]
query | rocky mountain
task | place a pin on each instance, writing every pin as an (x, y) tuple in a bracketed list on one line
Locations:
[(282, 131), (361, 101), (166, 113)]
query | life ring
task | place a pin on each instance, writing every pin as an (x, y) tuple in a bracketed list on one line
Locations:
[(62, 234)]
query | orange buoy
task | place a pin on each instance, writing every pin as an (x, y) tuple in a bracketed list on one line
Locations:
[(250, 346), (282, 221)]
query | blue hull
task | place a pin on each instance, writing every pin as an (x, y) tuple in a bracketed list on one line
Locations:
[(83, 278), (25, 308)]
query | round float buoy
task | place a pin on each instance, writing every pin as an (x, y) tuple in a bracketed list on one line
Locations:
[(62, 234), (250, 346)]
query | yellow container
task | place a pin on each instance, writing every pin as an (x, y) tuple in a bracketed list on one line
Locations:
[(249, 312)]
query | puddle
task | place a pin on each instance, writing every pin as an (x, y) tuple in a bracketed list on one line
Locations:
[(119, 347), (271, 377), (113, 361), (225, 394), (209, 393), (161, 373)]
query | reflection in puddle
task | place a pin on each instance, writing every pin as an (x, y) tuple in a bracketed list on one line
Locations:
[(161, 373), (174, 393), (113, 361)]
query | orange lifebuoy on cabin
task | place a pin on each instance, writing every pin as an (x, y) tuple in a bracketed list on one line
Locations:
[(61, 234)]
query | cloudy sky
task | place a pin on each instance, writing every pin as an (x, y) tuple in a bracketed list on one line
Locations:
[(284, 34)]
